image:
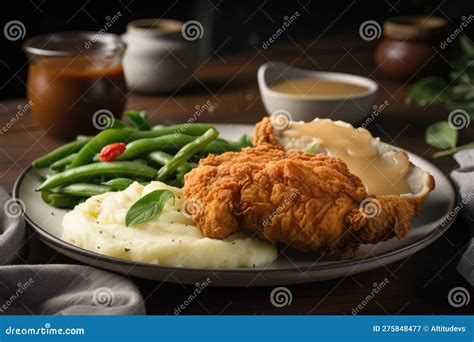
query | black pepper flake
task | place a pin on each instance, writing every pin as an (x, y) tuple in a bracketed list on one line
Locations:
[(98, 247), (100, 231), (126, 249), (233, 242), (52, 213)]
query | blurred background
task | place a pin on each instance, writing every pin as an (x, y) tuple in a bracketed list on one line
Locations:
[(230, 26)]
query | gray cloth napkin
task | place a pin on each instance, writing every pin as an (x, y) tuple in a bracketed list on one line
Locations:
[(56, 289), (463, 176)]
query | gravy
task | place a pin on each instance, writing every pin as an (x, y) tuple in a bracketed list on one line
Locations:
[(318, 88), (380, 175)]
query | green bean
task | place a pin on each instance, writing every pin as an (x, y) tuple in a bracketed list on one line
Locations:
[(59, 153), (62, 163), (178, 181), (84, 189), (218, 147), (160, 157), (118, 124), (140, 119), (245, 141), (226, 145), (157, 127), (119, 184), (187, 129), (60, 201), (141, 161), (186, 152), (108, 136), (143, 146), (85, 172), (181, 171), (84, 137), (222, 140)]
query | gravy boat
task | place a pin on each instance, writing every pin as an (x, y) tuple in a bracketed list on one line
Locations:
[(352, 109)]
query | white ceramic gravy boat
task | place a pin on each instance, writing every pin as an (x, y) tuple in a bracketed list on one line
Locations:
[(352, 109)]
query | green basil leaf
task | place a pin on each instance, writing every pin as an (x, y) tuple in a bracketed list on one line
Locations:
[(428, 90), (441, 135), (147, 207)]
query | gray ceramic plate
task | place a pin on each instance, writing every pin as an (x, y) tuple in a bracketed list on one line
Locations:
[(290, 267)]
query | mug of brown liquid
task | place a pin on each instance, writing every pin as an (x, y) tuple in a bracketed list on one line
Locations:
[(75, 81)]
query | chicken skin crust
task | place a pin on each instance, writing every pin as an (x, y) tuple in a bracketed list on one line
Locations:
[(307, 201)]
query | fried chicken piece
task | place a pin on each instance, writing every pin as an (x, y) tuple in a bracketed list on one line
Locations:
[(309, 202)]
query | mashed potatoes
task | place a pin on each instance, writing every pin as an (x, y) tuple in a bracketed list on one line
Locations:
[(171, 239)]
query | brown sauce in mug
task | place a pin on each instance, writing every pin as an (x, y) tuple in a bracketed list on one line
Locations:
[(66, 92)]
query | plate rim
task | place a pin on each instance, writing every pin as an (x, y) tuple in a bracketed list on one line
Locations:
[(428, 238)]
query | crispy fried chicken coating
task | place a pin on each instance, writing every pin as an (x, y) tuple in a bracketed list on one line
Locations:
[(310, 202)]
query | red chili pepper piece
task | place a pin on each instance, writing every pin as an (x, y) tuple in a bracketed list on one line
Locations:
[(111, 151)]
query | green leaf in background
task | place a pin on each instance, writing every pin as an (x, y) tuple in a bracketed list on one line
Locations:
[(428, 90), (441, 135), (466, 45), (457, 95), (462, 92), (467, 106), (147, 207)]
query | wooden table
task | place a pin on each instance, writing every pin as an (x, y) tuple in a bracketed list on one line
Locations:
[(418, 284)]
